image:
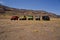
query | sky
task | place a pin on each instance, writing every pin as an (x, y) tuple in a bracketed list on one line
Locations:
[(46, 5)]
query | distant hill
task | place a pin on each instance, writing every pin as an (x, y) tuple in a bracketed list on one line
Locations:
[(5, 10)]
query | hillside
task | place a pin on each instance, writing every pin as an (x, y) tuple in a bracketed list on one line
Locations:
[(5, 10)]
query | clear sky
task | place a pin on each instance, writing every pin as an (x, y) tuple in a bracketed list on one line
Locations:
[(46, 5)]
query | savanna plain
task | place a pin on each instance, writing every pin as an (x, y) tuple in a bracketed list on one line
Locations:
[(29, 29)]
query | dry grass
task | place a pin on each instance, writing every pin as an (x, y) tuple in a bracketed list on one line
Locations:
[(29, 30)]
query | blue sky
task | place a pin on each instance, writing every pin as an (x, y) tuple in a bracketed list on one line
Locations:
[(46, 5)]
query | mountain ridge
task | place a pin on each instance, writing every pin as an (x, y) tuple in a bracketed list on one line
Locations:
[(14, 11)]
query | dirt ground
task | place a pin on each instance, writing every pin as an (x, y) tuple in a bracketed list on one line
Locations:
[(29, 30)]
